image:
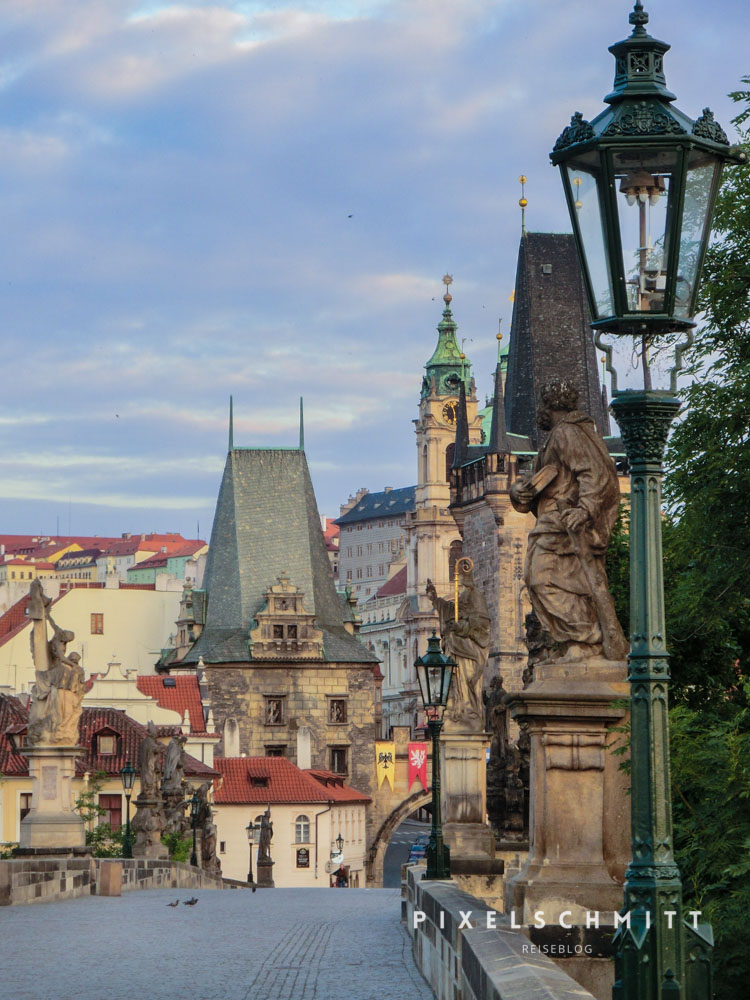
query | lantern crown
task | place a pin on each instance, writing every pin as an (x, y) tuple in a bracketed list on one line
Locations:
[(639, 63)]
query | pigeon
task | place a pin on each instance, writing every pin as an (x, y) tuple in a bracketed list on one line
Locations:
[(176, 903), (191, 902)]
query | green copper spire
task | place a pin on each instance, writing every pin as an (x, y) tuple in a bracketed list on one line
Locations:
[(448, 367)]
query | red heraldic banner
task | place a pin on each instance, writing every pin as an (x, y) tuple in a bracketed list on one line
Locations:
[(418, 763)]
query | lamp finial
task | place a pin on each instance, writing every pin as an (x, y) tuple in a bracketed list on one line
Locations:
[(638, 18)]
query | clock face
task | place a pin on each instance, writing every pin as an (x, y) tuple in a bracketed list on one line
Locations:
[(450, 410)]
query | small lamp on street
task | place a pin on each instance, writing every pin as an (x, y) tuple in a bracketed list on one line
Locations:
[(195, 805), (340, 843), (435, 674), (250, 830), (641, 180), (127, 775)]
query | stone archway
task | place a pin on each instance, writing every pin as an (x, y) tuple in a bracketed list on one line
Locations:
[(376, 854)]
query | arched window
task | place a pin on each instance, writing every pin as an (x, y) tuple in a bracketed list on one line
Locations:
[(302, 830), (449, 453)]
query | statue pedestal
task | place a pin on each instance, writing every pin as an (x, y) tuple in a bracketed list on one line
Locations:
[(147, 826), (463, 788), (264, 878), (580, 809), (52, 823)]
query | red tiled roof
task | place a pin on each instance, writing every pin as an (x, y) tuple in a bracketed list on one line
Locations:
[(160, 559), (184, 697), (137, 586), (93, 720), (396, 585), (15, 618), (284, 783)]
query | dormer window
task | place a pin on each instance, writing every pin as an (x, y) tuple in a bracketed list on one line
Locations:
[(105, 744), (259, 781)]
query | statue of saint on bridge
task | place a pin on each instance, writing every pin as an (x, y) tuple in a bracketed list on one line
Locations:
[(574, 495)]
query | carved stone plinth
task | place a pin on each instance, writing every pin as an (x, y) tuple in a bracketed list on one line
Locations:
[(52, 823), (463, 779), (580, 810), (265, 875), (148, 825)]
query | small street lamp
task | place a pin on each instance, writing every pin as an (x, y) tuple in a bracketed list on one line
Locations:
[(195, 806), (339, 843), (250, 830), (127, 775), (435, 674), (641, 180)]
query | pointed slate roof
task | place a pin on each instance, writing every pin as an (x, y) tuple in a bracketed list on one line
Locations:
[(550, 335), (266, 524)]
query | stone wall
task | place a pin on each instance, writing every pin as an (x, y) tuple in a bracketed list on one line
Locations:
[(479, 962), (37, 880)]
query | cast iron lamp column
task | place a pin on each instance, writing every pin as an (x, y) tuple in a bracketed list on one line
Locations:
[(435, 674), (127, 775), (641, 181), (250, 830)]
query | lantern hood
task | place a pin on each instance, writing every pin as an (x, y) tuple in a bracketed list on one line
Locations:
[(640, 103)]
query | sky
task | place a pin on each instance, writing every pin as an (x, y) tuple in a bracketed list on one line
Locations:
[(259, 198)]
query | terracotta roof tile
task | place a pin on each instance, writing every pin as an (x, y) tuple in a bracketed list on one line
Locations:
[(182, 696), (396, 585), (269, 780)]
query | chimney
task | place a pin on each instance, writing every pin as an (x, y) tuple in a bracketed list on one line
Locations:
[(304, 759)]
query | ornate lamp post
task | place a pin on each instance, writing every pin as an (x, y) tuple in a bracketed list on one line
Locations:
[(250, 830), (195, 806), (640, 181), (340, 844), (127, 775), (435, 674)]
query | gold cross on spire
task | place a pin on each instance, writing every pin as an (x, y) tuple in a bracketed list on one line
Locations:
[(447, 280)]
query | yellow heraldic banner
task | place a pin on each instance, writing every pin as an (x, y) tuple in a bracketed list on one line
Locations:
[(385, 762)]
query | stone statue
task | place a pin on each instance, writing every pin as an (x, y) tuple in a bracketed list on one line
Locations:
[(174, 765), (574, 495), (467, 640), (56, 697), (172, 786), (266, 835), (209, 860), (149, 764)]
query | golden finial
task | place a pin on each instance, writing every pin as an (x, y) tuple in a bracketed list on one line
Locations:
[(523, 203), (499, 335), (447, 280)]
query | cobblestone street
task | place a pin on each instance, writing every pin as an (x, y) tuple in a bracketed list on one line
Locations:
[(278, 944)]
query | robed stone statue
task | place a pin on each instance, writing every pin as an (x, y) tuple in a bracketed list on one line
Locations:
[(574, 495), (266, 834), (57, 695), (465, 637)]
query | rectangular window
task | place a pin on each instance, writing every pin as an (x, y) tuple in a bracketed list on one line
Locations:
[(291, 631), (369, 548), (381, 546), (349, 550), (339, 759), (274, 711), (369, 571), (348, 574), (222, 847), (337, 710), (25, 804), (278, 631), (381, 570), (276, 750), (112, 806), (359, 573), (97, 624), (359, 550), (105, 743)]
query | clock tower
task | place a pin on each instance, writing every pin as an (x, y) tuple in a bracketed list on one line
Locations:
[(432, 538)]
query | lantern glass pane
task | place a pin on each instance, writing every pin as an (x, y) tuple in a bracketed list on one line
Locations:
[(434, 680), (644, 182), (422, 678), (584, 176), (701, 172), (447, 678)]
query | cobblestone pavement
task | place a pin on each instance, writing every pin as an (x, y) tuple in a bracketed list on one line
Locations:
[(275, 944)]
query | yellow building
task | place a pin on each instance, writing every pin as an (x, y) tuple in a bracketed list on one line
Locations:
[(310, 809), (109, 624), (19, 569)]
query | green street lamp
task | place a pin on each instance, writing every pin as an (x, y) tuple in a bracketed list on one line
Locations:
[(195, 808), (435, 674), (250, 830), (641, 180), (127, 776), (339, 843)]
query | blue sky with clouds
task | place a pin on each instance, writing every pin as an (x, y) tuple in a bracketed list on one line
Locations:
[(260, 198)]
